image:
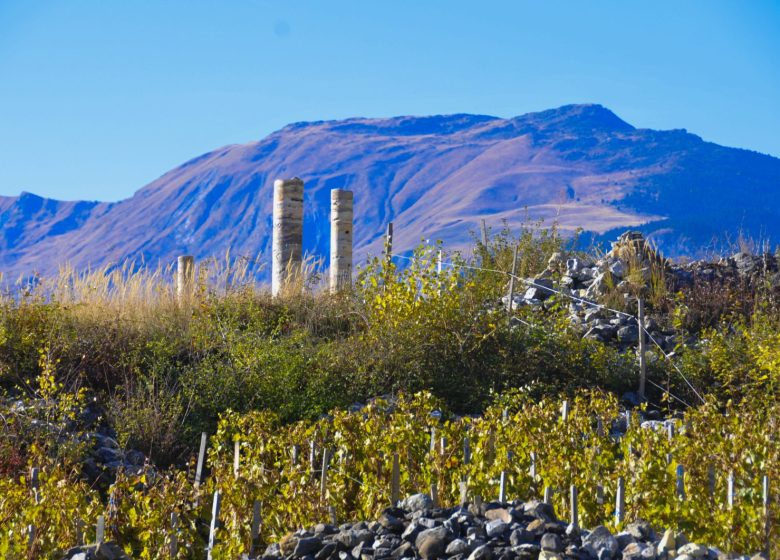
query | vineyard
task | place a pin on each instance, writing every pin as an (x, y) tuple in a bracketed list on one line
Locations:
[(253, 459), (110, 382)]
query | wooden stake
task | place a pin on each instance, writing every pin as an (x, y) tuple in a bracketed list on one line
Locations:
[(395, 488), (502, 488), (324, 478), (548, 495), (573, 506), (730, 490), (215, 507), (173, 538), (389, 242), (35, 484), (765, 495), (100, 529), (254, 530), (642, 363), (435, 494), (201, 459), (236, 457), (711, 480), (512, 283), (681, 482), (312, 457), (565, 411), (433, 440), (464, 490), (296, 450), (620, 501), (443, 442)]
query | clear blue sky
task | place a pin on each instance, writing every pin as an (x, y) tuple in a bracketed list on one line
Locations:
[(99, 97)]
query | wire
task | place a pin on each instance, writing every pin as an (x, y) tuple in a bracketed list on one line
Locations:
[(581, 300)]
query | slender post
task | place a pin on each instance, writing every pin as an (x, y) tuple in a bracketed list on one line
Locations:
[(341, 212), (438, 262), (433, 440), (599, 494), (332, 515), (30, 536), (324, 478), (389, 242), (236, 457), (201, 458), (711, 480), (463, 486), (173, 539), (548, 493), (484, 234), (532, 469), (765, 494), (730, 490), (681, 482), (100, 529), (435, 494), (395, 489), (296, 450), (287, 233), (185, 277), (443, 443), (620, 501), (35, 483), (512, 283), (573, 506), (312, 457), (642, 364), (767, 520), (215, 507), (466, 450), (565, 411), (254, 530), (502, 488)]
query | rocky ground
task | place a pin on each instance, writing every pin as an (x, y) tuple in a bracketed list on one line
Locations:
[(491, 531)]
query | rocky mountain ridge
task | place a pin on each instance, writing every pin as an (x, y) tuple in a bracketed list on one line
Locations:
[(435, 177)]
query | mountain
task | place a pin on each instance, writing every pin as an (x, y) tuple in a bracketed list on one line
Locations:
[(435, 177)]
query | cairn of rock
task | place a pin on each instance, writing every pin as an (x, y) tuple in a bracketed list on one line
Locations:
[(629, 270)]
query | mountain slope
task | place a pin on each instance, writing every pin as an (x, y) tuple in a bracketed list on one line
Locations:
[(434, 177)]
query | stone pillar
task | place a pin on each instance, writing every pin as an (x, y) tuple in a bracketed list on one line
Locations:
[(340, 240), (287, 234), (185, 277)]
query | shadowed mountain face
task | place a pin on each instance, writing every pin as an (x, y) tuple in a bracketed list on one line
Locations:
[(434, 177)]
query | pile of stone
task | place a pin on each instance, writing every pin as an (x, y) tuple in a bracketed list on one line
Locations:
[(102, 551), (104, 455), (627, 271), (490, 531)]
